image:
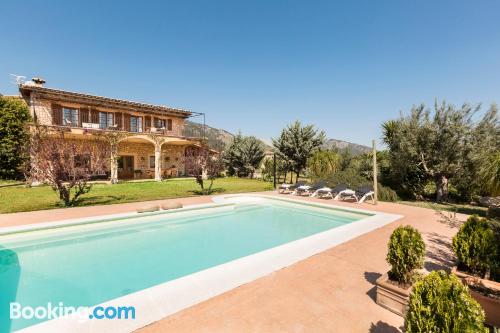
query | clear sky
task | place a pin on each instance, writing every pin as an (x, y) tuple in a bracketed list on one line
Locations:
[(255, 66)]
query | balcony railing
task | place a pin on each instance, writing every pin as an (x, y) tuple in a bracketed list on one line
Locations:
[(176, 131)]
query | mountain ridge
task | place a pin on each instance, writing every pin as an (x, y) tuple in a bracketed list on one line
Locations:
[(217, 135)]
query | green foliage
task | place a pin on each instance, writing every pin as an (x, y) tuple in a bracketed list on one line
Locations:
[(440, 303), (476, 247), (14, 116), (441, 145), (406, 251), (243, 156), (297, 143), (490, 174), (268, 169), (349, 177), (387, 194), (323, 164)]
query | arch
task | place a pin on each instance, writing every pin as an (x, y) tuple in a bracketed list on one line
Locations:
[(138, 138)]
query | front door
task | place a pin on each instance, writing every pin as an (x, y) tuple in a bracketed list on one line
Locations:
[(125, 167)]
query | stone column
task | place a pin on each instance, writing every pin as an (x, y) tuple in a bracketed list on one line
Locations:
[(158, 162), (114, 163)]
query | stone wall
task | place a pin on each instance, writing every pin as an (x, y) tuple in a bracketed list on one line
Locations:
[(42, 110), (171, 156)]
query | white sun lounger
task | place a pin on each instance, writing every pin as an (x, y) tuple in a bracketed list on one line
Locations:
[(301, 190), (359, 195), (323, 192)]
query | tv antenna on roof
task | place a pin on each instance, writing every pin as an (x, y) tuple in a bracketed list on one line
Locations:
[(19, 79)]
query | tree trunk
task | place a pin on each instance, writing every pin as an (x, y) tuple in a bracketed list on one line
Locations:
[(441, 188), (298, 174)]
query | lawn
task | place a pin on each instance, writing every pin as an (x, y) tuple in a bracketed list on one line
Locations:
[(458, 208), (19, 199)]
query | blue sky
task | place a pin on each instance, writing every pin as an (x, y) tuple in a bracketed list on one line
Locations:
[(255, 66)]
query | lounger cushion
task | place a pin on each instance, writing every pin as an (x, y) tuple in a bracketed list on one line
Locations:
[(171, 205), (148, 209)]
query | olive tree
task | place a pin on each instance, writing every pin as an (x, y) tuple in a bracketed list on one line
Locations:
[(437, 145)]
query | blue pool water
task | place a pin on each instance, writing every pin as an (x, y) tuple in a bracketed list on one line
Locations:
[(88, 265)]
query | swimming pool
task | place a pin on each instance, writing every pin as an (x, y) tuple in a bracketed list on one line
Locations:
[(163, 262)]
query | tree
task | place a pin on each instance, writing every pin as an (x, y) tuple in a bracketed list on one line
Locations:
[(323, 164), (436, 146), (233, 156), (204, 164), (253, 154), (64, 164), (490, 174), (244, 156), (14, 116), (297, 143)]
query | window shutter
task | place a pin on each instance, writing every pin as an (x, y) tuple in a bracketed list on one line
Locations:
[(94, 116), (169, 124), (147, 122), (84, 115), (127, 122), (56, 114), (118, 120)]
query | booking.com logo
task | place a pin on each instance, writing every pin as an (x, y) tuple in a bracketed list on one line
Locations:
[(81, 313)]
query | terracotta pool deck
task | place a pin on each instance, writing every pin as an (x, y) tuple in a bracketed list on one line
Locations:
[(329, 292)]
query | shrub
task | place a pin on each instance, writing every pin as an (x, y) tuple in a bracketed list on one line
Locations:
[(441, 303), (406, 253), (14, 116), (476, 248), (386, 193), (350, 177)]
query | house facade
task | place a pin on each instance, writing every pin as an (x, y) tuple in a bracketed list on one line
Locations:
[(151, 139)]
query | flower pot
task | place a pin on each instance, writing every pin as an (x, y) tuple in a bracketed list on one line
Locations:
[(391, 296), (490, 305)]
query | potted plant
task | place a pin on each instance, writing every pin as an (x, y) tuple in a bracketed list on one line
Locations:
[(406, 251), (476, 246), (441, 303)]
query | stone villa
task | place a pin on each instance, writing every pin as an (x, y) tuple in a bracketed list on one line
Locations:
[(154, 139)]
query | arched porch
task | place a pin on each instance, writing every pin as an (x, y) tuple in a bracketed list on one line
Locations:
[(146, 157)]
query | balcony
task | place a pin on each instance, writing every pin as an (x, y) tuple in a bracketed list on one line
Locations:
[(182, 131)]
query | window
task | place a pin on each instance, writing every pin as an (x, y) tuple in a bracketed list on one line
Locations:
[(135, 124), (106, 119), (70, 117), (169, 124), (160, 123), (120, 162), (151, 161)]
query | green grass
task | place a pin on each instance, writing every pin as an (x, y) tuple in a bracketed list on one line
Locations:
[(458, 208), (20, 199), (4, 182)]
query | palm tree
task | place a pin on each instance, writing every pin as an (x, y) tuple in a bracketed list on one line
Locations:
[(490, 174)]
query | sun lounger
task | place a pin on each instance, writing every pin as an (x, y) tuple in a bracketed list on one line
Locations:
[(299, 187), (287, 188), (326, 192), (311, 189), (360, 194)]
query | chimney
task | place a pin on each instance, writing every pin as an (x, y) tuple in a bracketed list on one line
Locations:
[(39, 82)]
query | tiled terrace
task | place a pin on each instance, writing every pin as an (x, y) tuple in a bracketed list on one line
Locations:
[(329, 292)]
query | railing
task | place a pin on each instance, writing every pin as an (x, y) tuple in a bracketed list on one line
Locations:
[(176, 131)]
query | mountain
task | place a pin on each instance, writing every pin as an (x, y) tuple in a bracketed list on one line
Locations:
[(354, 148), (215, 136)]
